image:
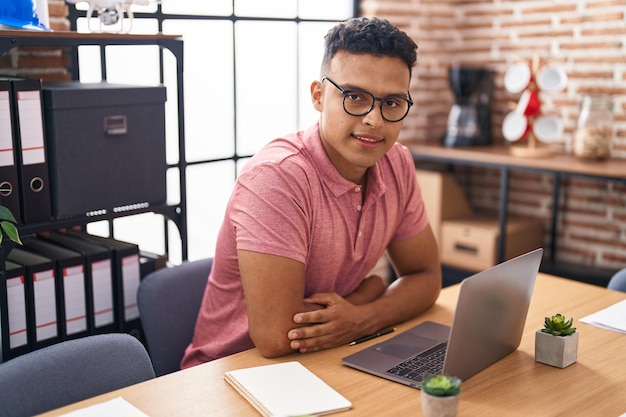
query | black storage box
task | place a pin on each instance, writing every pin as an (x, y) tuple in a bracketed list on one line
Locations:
[(106, 147)]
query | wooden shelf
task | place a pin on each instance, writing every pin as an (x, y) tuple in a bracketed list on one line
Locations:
[(11, 38), (499, 156)]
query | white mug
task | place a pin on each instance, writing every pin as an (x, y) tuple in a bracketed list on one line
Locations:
[(551, 78), (548, 129), (517, 77), (515, 126)]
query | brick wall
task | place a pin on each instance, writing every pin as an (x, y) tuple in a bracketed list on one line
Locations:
[(587, 37)]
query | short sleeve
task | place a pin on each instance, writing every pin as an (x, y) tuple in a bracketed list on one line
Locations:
[(270, 210), (414, 218)]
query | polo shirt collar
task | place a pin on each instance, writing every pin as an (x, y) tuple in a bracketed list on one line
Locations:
[(337, 184)]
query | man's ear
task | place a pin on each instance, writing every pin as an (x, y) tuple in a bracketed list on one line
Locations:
[(316, 95)]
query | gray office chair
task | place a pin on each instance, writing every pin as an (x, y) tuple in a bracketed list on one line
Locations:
[(71, 371), (618, 281), (169, 300)]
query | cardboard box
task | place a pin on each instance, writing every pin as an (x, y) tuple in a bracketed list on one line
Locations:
[(472, 244), (443, 197)]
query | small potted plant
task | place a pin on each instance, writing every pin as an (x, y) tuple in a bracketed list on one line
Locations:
[(557, 343), (440, 395)]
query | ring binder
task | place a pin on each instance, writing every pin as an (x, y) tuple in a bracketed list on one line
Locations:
[(103, 315), (9, 188), (13, 318), (126, 273), (30, 149), (41, 296), (72, 287)]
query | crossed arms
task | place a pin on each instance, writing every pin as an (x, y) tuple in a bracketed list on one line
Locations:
[(282, 321)]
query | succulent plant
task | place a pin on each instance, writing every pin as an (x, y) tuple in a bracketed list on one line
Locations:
[(441, 385), (557, 325)]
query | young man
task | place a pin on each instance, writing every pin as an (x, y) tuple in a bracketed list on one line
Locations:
[(313, 212)]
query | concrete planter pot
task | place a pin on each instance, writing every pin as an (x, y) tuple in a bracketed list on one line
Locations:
[(558, 351), (434, 406)]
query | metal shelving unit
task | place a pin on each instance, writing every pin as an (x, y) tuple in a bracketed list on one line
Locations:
[(559, 166), (173, 43)]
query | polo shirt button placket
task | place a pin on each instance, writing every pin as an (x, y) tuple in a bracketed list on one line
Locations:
[(358, 190)]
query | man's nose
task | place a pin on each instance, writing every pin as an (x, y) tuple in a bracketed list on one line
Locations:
[(375, 117)]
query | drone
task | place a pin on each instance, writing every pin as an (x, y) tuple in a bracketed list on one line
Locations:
[(112, 12)]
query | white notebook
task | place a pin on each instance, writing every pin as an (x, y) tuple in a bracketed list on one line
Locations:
[(285, 390)]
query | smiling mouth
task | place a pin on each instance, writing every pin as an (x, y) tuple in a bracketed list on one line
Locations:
[(367, 139)]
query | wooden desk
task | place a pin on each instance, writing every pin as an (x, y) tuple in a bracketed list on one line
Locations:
[(515, 386)]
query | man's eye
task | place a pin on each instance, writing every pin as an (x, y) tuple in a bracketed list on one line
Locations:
[(392, 103), (355, 97)]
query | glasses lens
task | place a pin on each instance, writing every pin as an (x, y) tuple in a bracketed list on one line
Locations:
[(357, 103), (394, 108)]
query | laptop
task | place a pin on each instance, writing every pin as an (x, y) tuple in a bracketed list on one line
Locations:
[(488, 323)]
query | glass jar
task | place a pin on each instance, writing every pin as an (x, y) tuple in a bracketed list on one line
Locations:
[(594, 132)]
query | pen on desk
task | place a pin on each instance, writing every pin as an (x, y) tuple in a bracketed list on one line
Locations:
[(372, 336)]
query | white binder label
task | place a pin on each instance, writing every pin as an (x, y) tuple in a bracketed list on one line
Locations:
[(131, 273), (75, 305), (31, 127), (45, 305), (6, 136), (102, 292), (17, 312)]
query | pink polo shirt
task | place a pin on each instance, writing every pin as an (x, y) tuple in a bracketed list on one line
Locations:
[(290, 200)]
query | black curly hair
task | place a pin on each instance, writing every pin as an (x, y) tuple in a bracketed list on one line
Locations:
[(374, 36)]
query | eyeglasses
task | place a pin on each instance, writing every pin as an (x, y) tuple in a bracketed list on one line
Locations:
[(358, 102)]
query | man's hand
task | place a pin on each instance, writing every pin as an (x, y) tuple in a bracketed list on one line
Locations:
[(334, 325), (329, 318)]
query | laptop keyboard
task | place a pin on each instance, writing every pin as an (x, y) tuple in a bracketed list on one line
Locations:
[(429, 362)]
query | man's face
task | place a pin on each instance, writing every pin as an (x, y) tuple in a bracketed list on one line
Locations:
[(354, 143)]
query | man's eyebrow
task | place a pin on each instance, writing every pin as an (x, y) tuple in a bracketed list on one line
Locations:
[(351, 87), (348, 86)]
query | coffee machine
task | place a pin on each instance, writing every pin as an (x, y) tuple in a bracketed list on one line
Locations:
[(469, 120)]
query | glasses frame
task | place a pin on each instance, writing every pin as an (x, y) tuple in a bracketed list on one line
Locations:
[(345, 94)]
